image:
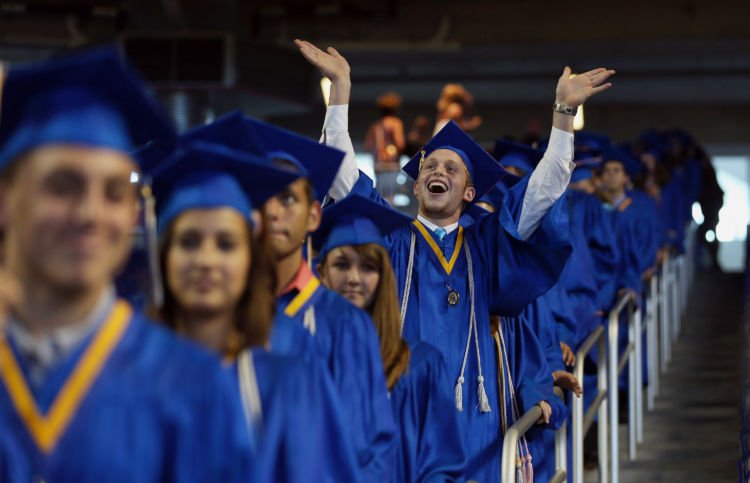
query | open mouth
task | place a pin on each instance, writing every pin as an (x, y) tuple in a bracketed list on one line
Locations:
[(437, 187)]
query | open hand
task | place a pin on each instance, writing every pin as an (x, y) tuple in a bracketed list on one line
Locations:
[(575, 91), (568, 381), (330, 63)]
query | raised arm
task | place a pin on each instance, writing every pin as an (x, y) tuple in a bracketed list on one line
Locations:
[(333, 65), (551, 177)]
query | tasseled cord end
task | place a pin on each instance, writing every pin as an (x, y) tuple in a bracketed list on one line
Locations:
[(529, 470), (460, 394), (484, 403), (152, 245)]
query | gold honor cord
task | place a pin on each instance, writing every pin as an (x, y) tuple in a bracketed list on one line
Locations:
[(447, 265), (46, 430), (301, 299)]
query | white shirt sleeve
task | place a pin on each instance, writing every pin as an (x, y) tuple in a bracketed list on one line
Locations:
[(336, 135), (548, 181)]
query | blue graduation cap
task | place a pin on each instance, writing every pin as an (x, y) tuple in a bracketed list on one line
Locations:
[(223, 130), (317, 162), (581, 173), (483, 169), (632, 165), (92, 99), (517, 155), (590, 141), (356, 220), (204, 175), (586, 162)]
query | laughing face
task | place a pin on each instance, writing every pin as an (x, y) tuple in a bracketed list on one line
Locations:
[(443, 185)]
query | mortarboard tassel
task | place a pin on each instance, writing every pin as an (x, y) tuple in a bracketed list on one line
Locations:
[(152, 245)]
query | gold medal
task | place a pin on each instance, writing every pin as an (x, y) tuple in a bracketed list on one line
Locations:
[(453, 297)]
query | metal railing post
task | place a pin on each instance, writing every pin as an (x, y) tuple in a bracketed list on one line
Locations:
[(581, 423), (632, 382), (612, 383), (664, 294), (637, 328), (561, 445), (601, 382), (652, 349)]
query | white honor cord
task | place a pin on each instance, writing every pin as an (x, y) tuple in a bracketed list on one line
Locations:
[(484, 405), (249, 391), (407, 285), (308, 319)]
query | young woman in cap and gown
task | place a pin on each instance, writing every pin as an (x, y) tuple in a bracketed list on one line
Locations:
[(218, 285), (353, 261)]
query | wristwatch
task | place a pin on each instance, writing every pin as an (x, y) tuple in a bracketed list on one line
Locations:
[(564, 109)]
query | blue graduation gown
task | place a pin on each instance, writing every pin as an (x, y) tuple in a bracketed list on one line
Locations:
[(589, 221), (428, 423), (509, 274), (159, 410), (301, 434), (347, 344)]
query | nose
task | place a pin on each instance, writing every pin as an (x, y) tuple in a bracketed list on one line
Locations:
[(271, 209), (90, 206), (352, 277)]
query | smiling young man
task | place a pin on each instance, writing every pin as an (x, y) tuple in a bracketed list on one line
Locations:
[(89, 390), (450, 278)]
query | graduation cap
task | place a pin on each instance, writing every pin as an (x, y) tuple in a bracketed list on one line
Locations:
[(356, 220), (91, 99), (590, 141), (631, 165), (517, 155), (484, 171), (202, 175), (581, 173), (222, 131), (317, 162)]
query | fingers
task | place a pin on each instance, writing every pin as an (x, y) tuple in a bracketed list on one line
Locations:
[(601, 88), (566, 73), (333, 52)]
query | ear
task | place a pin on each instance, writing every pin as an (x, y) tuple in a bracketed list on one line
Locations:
[(314, 216), (469, 194)]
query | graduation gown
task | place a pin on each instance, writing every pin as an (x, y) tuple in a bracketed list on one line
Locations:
[(132, 403), (299, 431), (590, 222), (508, 274), (345, 341), (426, 416)]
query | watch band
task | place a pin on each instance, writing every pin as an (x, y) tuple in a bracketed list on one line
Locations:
[(564, 109)]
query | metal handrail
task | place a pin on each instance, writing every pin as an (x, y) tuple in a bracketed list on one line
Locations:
[(581, 422), (626, 301), (511, 439), (521, 427), (561, 446)]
